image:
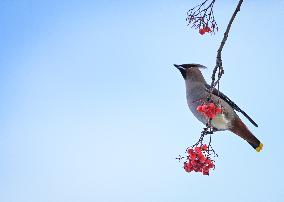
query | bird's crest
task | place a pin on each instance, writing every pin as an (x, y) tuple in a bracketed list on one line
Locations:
[(187, 66)]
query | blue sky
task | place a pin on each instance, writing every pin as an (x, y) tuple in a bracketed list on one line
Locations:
[(92, 109)]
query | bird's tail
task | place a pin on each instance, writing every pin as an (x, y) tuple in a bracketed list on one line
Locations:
[(240, 129)]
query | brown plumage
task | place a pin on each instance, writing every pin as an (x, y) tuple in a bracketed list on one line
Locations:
[(240, 129)]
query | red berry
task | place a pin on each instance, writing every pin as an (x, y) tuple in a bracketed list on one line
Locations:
[(199, 155), (194, 162), (196, 169), (192, 156), (204, 108), (187, 167), (202, 31), (218, 110), (190, 151), (206, 169), (197, 150), (210, 115), (210, 165), (205, 173), (199, 108), (202, 159), (212, 106), (204, 147), (207, 29), (208, 161)]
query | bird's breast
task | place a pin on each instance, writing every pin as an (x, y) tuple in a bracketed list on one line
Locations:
[(196, 95), (221, 122)]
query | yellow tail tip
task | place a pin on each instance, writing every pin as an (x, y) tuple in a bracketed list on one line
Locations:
[(259, 148)]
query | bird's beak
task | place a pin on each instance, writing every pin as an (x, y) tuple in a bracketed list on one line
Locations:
[(181, 69), (177, 66)]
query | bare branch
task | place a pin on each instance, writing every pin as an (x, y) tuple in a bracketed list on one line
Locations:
[(219, 65)]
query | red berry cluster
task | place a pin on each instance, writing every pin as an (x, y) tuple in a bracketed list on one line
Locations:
[(209, 110), (197, 161), (204, 30)]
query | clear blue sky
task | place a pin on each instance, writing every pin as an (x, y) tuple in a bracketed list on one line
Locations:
[(91, 108)]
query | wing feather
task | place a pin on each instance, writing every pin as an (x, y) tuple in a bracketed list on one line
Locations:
[(231, 103)]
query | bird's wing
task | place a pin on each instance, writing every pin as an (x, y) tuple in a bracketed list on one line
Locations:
[(230, 102)]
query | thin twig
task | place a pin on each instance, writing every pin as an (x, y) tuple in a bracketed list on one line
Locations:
[(219, 52), (202, 16)]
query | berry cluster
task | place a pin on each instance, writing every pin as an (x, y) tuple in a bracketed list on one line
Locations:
[(204, 30), (197, 161), (209, 110), (202, 17)]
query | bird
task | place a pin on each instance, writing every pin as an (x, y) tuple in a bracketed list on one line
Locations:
[(197, 90)]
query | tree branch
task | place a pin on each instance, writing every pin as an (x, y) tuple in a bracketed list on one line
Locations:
[(219, 65)]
